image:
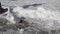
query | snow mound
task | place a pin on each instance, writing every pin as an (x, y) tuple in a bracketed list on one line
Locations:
[(16, 13), (40, 12)]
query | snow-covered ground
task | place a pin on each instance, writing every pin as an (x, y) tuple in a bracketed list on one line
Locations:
[(48, 13)]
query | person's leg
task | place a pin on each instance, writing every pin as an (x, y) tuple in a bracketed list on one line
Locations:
[(0, 4), (0, 7)]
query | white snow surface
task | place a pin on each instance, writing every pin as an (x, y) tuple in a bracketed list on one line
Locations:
[(48, 11), (47, 16), (40, 12)]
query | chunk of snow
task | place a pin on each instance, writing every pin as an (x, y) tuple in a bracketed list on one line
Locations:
[(20, 31)]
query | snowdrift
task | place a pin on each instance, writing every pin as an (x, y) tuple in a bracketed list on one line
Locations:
[(40, 12)]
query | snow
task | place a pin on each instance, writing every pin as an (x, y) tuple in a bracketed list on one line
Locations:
[(20, 31), (48, 16), (40, 12), (35, 14), (49, 12)]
